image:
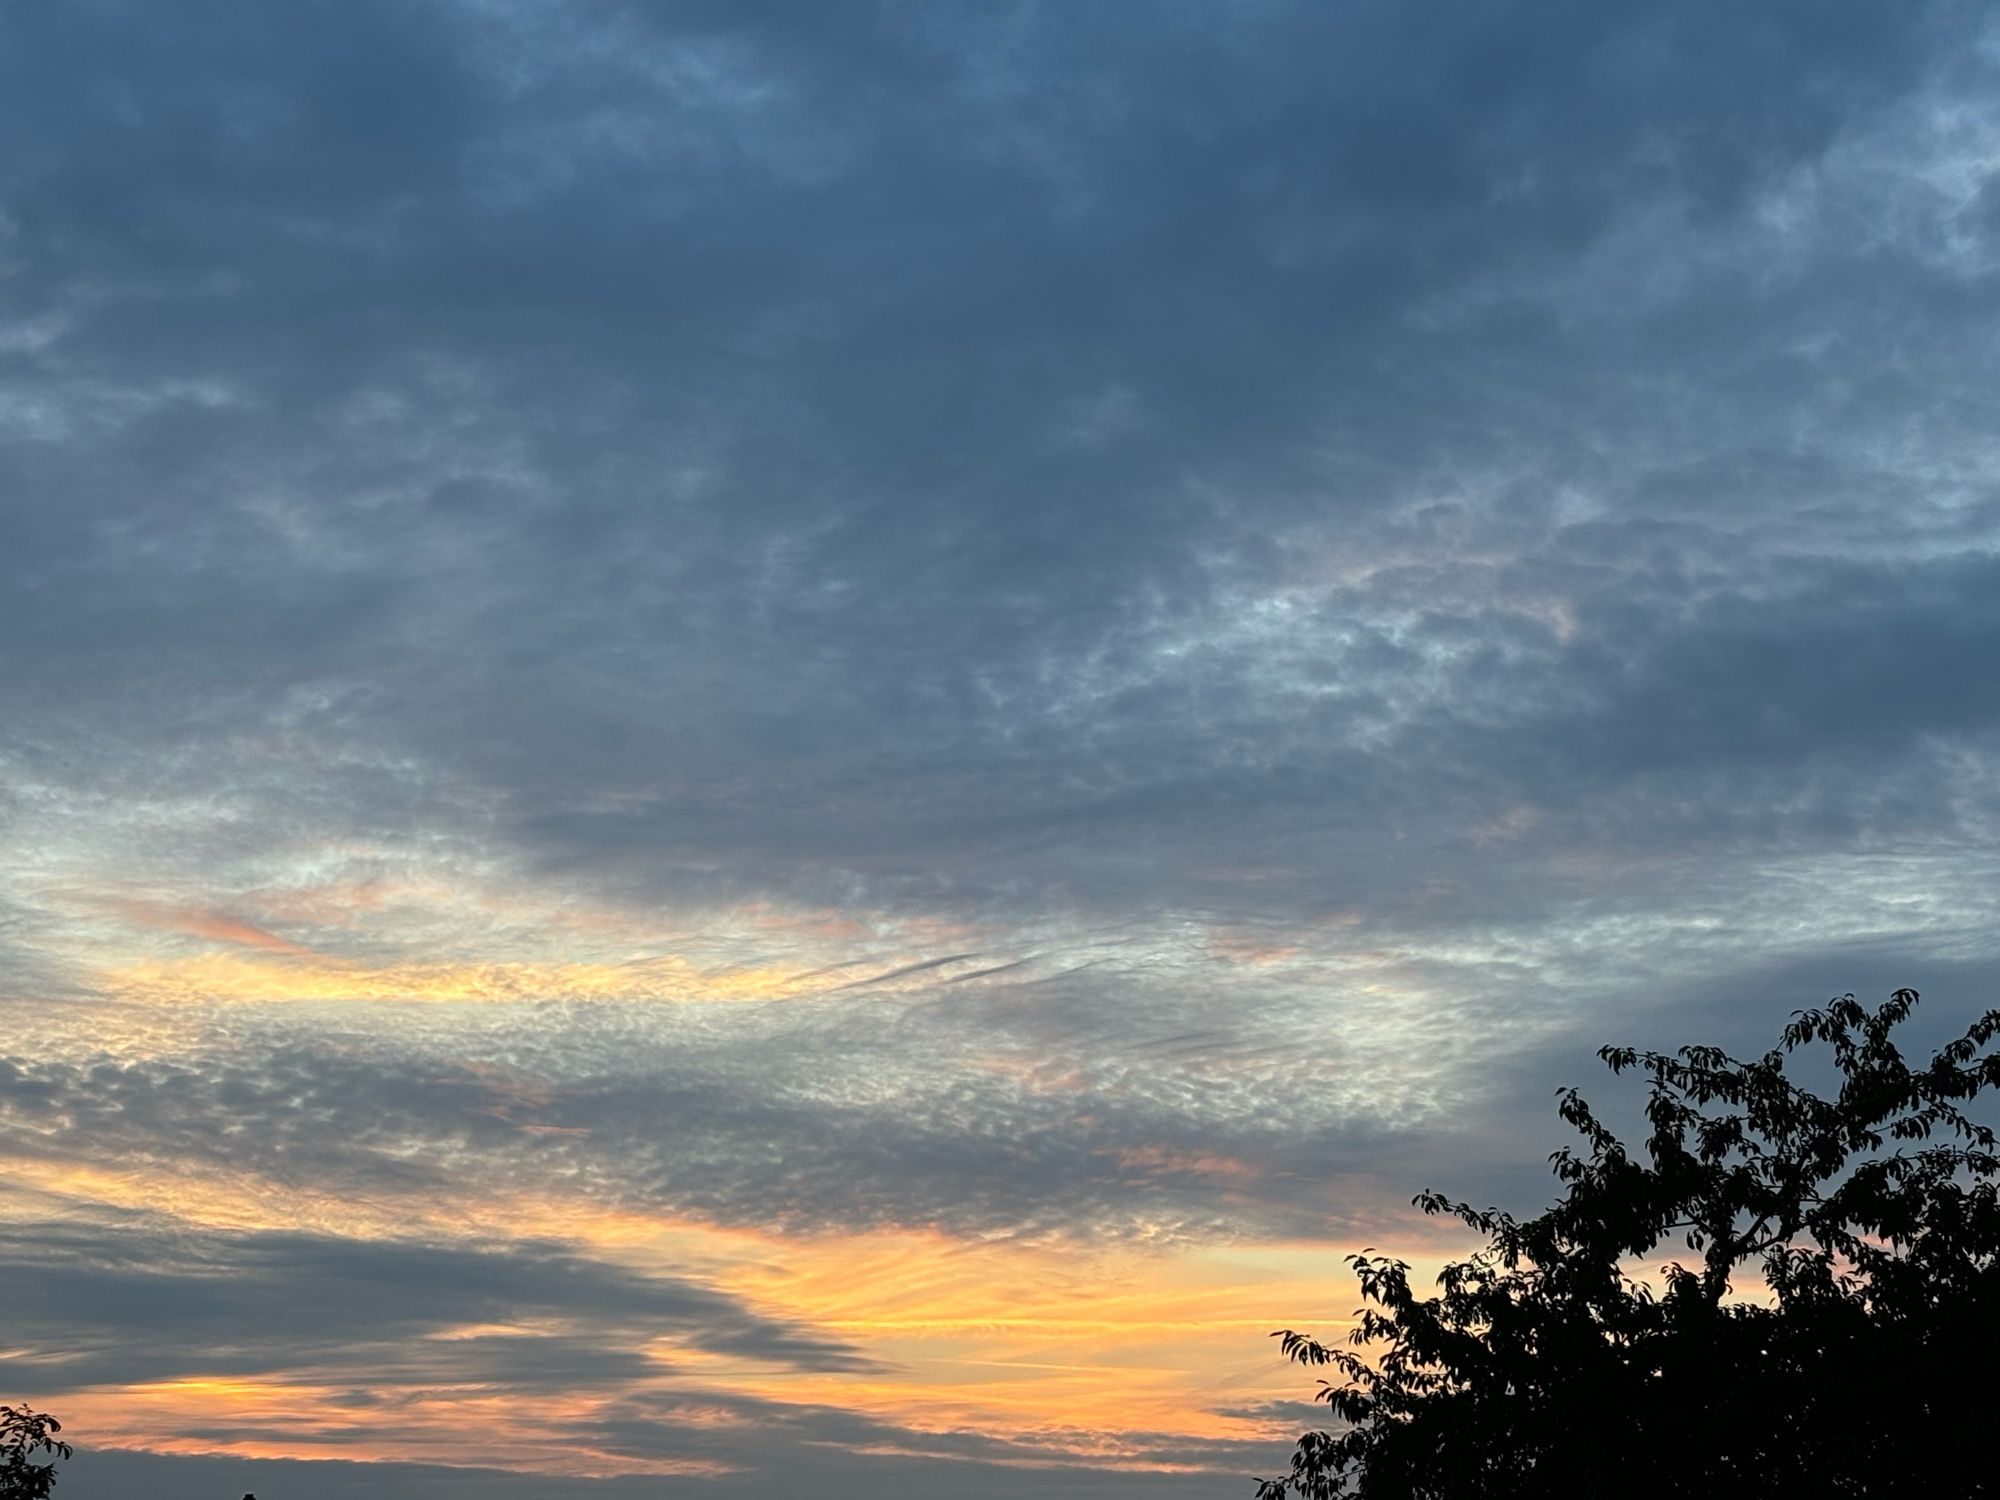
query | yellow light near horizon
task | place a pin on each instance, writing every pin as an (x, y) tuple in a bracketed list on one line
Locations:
[(1063, 1346), (261, 977)]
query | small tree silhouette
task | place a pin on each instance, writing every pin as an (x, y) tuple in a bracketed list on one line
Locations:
[(23, 1434), (1862, 1364)]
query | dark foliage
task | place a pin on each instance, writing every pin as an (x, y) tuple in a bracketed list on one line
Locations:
[(24, 1433), (1833, 1333)]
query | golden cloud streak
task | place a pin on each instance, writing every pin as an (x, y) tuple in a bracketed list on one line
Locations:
[(236, 976)]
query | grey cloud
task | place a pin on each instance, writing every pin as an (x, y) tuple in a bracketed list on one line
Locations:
[(1071, 1115), (836, 1474), (137, 1299), (751, 1440), (865, 543), (649, 1426), (1861, 662), (1060, 1111)]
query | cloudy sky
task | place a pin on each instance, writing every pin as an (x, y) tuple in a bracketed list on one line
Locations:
[(746, 744)]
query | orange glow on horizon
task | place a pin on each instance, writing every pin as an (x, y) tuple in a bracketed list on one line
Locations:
[(1062, 1347), (1072, 1348)]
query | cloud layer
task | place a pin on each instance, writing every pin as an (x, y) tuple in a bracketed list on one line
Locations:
[(645, 643)]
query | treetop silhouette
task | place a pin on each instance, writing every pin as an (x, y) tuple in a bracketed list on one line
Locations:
[(24, 1433), (1831, 1334)]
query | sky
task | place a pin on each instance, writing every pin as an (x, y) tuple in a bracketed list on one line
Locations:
[(775, 748)]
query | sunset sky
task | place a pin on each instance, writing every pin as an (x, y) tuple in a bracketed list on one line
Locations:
[(762, 749)]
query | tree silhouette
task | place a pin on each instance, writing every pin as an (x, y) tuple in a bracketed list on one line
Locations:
[(23, 1434), (1857, 1359)]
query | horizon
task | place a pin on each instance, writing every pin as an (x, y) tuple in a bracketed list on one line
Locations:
[(758, 739)]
